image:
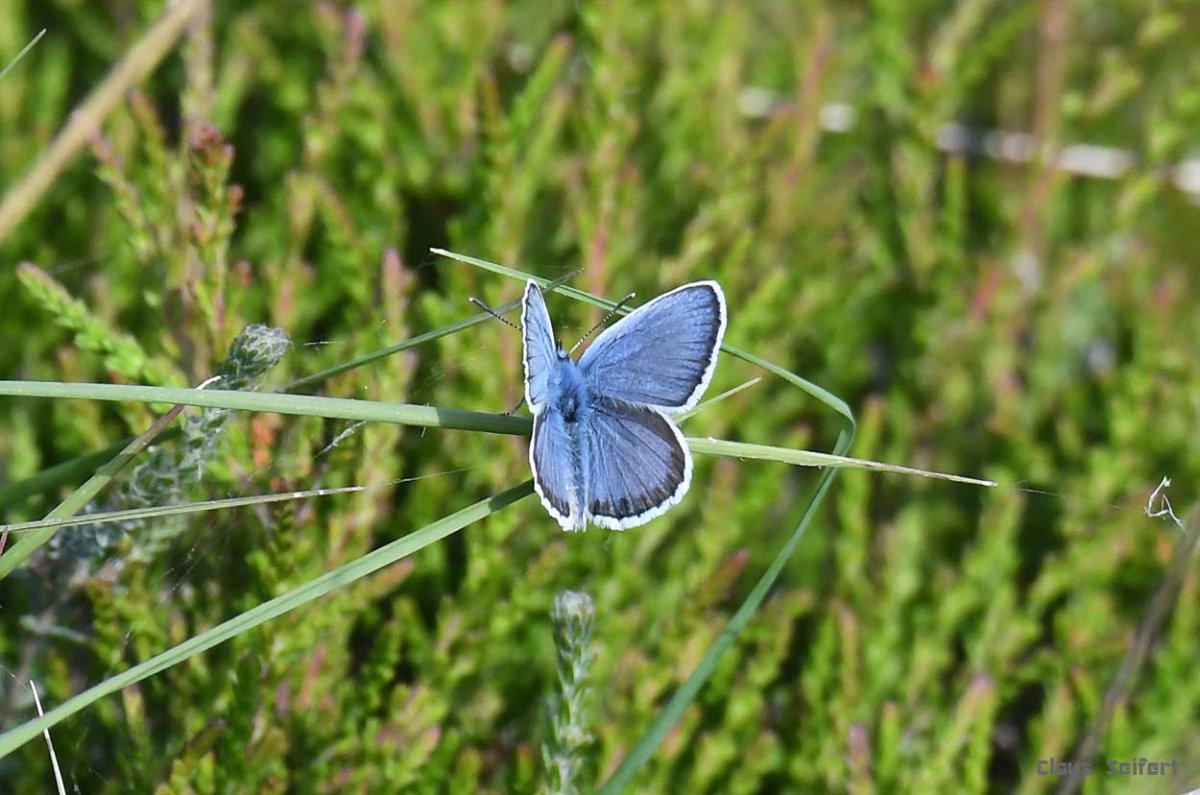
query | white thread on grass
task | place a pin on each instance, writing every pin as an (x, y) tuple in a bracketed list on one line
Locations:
[(1165, 505)]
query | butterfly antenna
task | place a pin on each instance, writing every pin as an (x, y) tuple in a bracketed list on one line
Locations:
[(611, 312), (509, 307), (501, 318), (561, 280)]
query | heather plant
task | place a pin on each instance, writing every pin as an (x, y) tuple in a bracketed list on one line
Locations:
[(924, 268)]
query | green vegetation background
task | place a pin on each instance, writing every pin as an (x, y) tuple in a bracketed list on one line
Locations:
[(1005, 321)]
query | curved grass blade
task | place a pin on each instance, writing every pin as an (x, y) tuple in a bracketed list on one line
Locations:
[(313, 589), (686, 694), (641, 753)]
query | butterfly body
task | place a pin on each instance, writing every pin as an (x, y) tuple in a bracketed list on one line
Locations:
[(569, 388), (604, 450)]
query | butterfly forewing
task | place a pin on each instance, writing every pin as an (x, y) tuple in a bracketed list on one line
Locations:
[(540, 348), (639, 464), (662, 354)]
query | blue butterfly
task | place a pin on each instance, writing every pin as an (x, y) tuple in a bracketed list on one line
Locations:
[(604, 449)]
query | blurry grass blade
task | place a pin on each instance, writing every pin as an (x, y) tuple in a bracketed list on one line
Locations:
[(55, 476), (75, 502), (159, 511), (314, 589), (58, 779), (820, 393), (83, 122), (24, 51)]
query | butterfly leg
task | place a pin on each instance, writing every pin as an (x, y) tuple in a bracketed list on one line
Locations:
[(515, 408)]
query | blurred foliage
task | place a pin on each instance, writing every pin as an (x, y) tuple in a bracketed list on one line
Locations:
[(293, 168)]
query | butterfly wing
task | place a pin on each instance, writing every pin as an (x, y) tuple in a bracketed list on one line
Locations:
[(638, 465), (541, 352), (557, 470), (662, 354)]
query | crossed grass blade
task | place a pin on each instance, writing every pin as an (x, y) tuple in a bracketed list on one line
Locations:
[(686, 694)]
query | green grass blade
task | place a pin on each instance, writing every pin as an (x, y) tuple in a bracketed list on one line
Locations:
[(546, 284), (425, 416), (809, 458), (307, 405), (313, 589)]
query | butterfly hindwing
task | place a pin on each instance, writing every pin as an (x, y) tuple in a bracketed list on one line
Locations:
[(639, 464), (556, 470), (663, 353)]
